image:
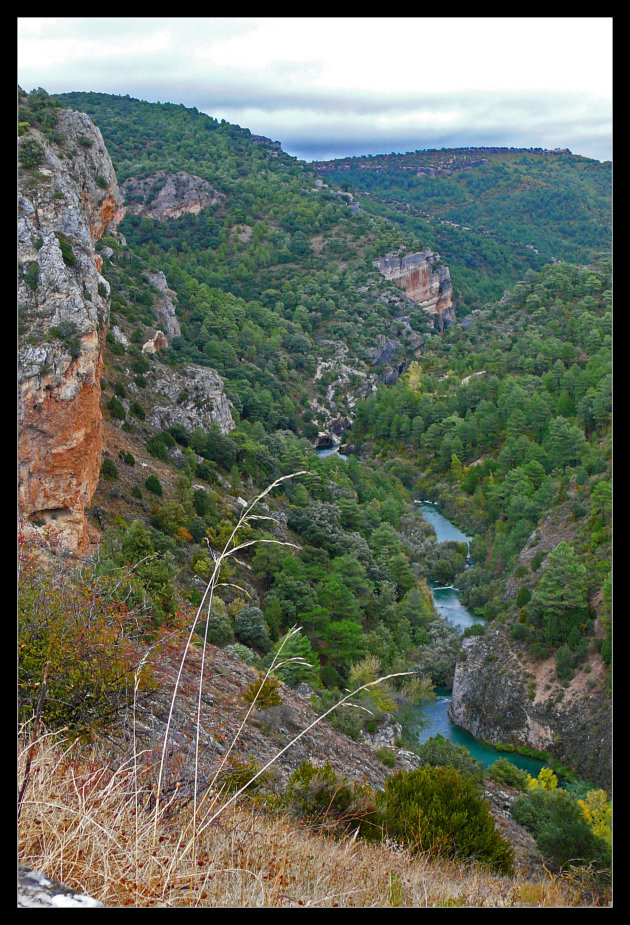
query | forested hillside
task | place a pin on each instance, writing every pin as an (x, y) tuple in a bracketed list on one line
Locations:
[(496, 212)]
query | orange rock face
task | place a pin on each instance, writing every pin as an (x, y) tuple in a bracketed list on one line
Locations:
[(56, 485)]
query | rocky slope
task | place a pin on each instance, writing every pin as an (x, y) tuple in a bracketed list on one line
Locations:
[(64, 207)]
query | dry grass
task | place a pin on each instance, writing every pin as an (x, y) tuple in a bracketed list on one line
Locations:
[(92, 828)]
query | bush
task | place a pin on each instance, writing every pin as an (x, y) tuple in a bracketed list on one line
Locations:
[(137, 410), (67, 253), (439, 752), (507, 774), (439, 810), (153, 485), (220, 631), (109, 470), (330, 801), (264, 691), (78, 646), (31, 276), (251, 630), (560, 828), (31, 153), (116, 409)]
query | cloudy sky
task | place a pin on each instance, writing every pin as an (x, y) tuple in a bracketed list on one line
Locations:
[(330, 87)]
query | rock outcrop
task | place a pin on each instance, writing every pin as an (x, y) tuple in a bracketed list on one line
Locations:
[(191, 396), (164, 306), (64, 206), (424, 280), (499, 700), (164, 195), (38, 892)]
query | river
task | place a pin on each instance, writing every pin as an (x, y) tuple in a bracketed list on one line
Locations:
[(330, 451), (451, 609)]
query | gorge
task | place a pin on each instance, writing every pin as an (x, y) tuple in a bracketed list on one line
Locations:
[(203, 325)]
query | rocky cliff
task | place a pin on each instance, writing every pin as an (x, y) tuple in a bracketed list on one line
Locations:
[(163, 195), (66, 201), (424, 280), (500, 699)]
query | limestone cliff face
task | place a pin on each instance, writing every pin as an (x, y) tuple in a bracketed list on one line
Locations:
[(500, 700), (162, 195), (64, 206), (424, 281)]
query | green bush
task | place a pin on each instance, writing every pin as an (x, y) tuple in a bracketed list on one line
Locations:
[(116, 409), (67, 253), (31, 153), (251, 630), (560, 828), (31, 276), (437, 809), (264, 691), (67, 332), (153, 485), (507, 774), (109, 470), (439, 752), (137, 410), (78, 645), (218, 629)]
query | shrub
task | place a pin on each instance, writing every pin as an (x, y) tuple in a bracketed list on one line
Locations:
[(507, 774), (116, 409), (67, 332), (438, 809), (78, 645), (251, 630), (560, 828), (153, 485), (109, 470), (31, 153), (137, 410), (67, 253), (330, 801), (439, 752), (264, 691), (218, 629), (31, 276)]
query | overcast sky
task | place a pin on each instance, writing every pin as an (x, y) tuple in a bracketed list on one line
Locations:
[(331, 87)]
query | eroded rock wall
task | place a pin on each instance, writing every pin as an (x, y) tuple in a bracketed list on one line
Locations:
[(498, 699), (64, 206), (424, 280)]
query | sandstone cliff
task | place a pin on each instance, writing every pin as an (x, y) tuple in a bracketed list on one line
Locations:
[(65, 204), (424, 280), (500, 699)]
